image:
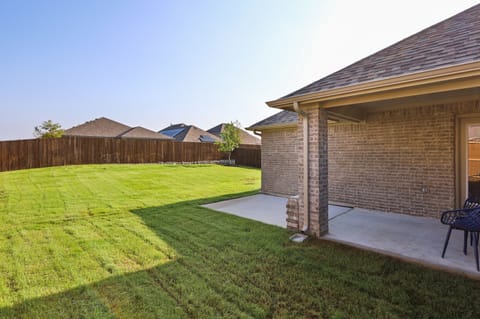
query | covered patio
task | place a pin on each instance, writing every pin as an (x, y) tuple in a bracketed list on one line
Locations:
[(390, 132), (411, 238)]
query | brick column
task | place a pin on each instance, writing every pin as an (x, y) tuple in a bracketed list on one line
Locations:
[(317, 171)]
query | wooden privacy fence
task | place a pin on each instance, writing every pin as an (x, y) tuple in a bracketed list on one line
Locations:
[(248, 155), (35, 153)]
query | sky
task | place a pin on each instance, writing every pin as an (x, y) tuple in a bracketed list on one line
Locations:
[(151, 63)]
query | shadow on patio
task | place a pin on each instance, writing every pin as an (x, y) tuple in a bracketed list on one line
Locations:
[(412, 238)]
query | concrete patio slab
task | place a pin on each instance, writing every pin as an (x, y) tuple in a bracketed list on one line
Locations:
[(335, 211), (267, 209), (412, 238)]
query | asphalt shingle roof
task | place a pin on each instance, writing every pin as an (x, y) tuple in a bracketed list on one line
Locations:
[(245, 138), (104, 127), (216, 130), (190, 133), (451, 42), (101, 127), (141, 132), (280, 118)]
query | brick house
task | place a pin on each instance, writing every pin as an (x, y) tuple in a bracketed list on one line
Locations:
[(389, 132)]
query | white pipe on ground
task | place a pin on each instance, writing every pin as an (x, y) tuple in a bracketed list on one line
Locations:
[(306, 213)]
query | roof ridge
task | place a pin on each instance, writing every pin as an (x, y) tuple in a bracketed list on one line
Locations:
[(123, 133), (187, 131), (144, 130), (96, 120)]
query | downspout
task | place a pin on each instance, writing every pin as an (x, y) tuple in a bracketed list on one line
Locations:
[(306, 214), (257, 133)]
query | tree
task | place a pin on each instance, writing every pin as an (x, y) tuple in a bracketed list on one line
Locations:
[(230, 139), (48, 129)]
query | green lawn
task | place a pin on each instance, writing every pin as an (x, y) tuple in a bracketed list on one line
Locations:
[(130, 241)]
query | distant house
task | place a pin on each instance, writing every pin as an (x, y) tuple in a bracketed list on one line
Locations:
[(245, 138), (189, 133), (104, 127)]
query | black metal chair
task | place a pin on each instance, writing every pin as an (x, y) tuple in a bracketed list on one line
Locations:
[(466, 219)]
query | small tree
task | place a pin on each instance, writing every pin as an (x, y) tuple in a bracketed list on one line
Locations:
[(230, 139), (48, 129)]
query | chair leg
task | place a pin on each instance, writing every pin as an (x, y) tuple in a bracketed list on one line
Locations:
[(446, 241), (465, 239), (475, 236)]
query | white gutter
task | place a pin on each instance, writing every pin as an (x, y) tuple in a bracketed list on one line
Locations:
[(306, 213)]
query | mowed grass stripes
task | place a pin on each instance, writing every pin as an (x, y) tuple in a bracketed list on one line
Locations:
[(131, 241)]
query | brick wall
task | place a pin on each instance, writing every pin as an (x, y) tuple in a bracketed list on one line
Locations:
[(317, 170), (398, 161), (279, 161)]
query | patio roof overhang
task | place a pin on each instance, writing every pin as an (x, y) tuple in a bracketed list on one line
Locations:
[(349, 103), (333, 117), (440, 80)]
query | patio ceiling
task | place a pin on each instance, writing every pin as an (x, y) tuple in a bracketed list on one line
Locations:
[(356, 113)]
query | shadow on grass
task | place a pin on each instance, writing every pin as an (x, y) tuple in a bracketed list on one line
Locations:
[(150, 293), (229, 267), (132, 295)]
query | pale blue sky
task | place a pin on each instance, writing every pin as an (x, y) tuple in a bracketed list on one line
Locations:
[(152, 63)]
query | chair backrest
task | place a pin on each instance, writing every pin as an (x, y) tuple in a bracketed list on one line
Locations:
[(470, 222), (471, 203)]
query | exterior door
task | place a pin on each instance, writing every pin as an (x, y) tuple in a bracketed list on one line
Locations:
[(470, 158)]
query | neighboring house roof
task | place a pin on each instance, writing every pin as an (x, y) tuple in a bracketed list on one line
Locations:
[(280, 119), (245, 138), (452, 42), (104, 127), (217, 129), (141, 132), (188, 133)]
